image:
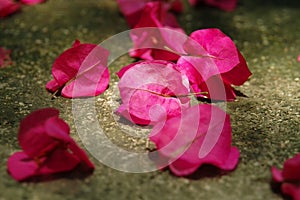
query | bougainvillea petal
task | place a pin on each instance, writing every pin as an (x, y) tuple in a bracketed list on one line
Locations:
[(133, 10), (5, 57), (80, 71), (221, 54), (47, 148), (292, 190), (289, 177), (227, 5), (291, 168), (200, 135), (32, 135), (149, 83), (8, 7), (32, 2), (149, 43), (21, 167), (212, 63), (239, 74)]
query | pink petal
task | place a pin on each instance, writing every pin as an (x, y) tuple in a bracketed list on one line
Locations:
[(5, 57), (215, 53), (290, 171), (239, 74), (133, 10), (52, 86), (298, 58), (59, 161), (150, 43), (217, 89), (145, 85), (292, 190), (8, 7), (32, 2), (21, 167), (32, 134), (201, 135), (81, 71), (277, 175)]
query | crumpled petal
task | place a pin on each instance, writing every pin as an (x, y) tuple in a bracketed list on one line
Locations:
[(289, 177), (200, 135), (80, 71), (8, 7), (47, 148), (133, 10), (148, 91), (149, 44), (212, 64), (5, 57), (32, 2)]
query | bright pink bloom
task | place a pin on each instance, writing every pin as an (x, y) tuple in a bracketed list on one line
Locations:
[(200, 135), (47, 148), (289, 177), (227, 5), (133, 10), (80, 71), (212, 63), (4, 57), (298, 58), (32, 2), (148, 91), (8, 7), (149, 44)]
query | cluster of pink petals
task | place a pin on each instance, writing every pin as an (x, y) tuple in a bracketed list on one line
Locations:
[(133, 10), (200, 135), (289, 177), (149, 43), (48, 149), (213, 63), (148, 91), (227, 5), (5, 57), (8, 7), (80, 71)]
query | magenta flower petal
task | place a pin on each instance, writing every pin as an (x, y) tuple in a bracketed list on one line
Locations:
[(32, 2), (212, 64), (289, 177), (149, 44), (80, 71), (21, 167), (145, 85), (8, 7), (200, 135), (47, 148), (32, 136), (133, 10), (5, 57), (292, 190)]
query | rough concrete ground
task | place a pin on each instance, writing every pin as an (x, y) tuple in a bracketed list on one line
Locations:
[(266, 125)]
